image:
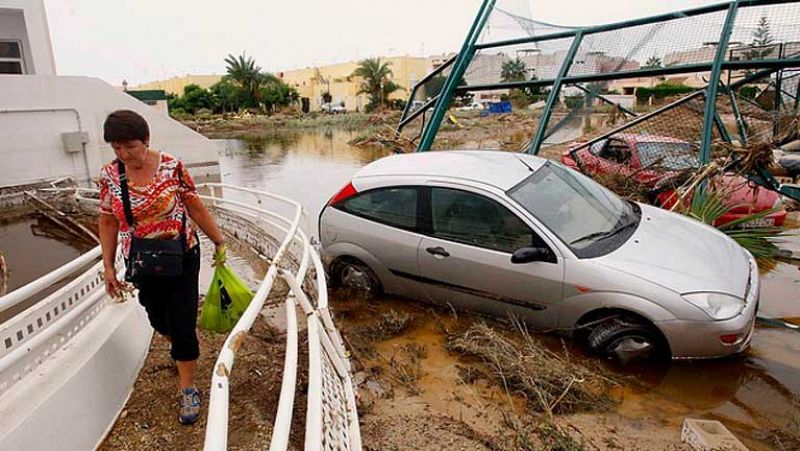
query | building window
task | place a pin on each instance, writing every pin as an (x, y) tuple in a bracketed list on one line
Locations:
[(11, 58)]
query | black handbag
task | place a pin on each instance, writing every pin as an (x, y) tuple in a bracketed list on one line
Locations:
[(151, 257)]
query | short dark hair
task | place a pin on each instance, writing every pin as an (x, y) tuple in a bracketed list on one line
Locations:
[(125, 125)]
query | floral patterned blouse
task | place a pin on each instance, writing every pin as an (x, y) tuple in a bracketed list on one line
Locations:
[(156, 212)]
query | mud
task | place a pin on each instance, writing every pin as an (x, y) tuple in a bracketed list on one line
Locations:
[(456, 403)]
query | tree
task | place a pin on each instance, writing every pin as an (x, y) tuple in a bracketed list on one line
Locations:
[(376, 81), (196, 98), (277, 93), (243, 71), (762, 40), (389, 88), (654, 62), (513, 70), (175, 104), (227, 94), (434, 86)]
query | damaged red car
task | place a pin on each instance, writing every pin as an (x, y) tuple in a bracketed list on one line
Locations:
[(656, 161)]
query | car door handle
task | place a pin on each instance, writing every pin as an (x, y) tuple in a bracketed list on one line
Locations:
[(438, 251)]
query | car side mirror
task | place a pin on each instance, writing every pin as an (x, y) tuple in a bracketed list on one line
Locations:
[(530, 254)]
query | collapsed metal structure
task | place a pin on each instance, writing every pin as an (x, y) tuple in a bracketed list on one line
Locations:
[(748, 89)]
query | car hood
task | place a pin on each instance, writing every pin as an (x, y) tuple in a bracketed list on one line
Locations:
[(682, 255)]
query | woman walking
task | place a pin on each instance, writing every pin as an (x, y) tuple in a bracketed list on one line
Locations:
[(145, 198)]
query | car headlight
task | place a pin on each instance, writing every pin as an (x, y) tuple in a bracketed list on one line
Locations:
[(778, 204), (718, 306)]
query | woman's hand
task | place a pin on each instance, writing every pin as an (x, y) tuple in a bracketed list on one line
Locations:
[(220, 254), (114, 287)]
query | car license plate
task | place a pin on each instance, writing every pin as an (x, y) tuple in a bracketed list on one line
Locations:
[(760, 222)]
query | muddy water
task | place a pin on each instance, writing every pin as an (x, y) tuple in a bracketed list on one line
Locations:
[(33, 246), (750, 394)]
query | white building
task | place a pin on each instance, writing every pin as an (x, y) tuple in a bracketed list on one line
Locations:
[(52, 125), (25, 46)]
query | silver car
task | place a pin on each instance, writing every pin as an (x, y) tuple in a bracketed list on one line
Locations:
[(500, 233)]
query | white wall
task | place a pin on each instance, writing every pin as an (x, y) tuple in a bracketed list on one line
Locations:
[(35, 33), (31, 148)]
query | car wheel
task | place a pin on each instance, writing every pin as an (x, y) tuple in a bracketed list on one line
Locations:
[(356, 276), (625, 339)]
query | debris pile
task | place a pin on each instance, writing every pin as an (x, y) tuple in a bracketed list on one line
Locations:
[(550, 381)]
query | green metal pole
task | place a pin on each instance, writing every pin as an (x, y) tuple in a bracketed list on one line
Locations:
[(778, 96), (740, 123), (721, 128), (713, 83), (541, 128), (459, 68)]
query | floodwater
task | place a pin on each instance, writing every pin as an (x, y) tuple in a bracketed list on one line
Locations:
[(750, 394), (26, 240)]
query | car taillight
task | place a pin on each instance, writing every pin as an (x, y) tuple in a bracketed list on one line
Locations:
[(348, 191)]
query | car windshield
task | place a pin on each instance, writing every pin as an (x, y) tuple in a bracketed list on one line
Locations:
[(669, 156), (587, 217)]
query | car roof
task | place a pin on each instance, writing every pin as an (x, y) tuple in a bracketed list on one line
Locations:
[(499, 169)]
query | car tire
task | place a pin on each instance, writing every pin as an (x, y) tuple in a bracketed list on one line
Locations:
[(356, 276), (626, 339)]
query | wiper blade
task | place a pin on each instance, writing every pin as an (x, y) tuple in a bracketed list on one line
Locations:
[(600, 235)]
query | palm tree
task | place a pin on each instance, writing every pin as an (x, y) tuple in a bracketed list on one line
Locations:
[(654, 62), (244, 71), (376, 82), (513, 70)]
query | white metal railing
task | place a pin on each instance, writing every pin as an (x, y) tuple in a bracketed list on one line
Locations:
[(331, 418), (25, 292)]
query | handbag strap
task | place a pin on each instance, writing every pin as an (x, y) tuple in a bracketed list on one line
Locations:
[(184, 240), (126, 200)]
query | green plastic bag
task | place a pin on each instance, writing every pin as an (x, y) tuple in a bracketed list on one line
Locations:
[(227, 298)]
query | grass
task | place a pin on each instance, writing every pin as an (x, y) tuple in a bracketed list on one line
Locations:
[(405, 366)]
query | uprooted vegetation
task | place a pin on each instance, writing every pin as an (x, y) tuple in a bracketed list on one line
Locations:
[(550, 382), (786, 436)]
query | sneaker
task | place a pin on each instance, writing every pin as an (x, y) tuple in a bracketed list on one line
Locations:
[(190, 406)]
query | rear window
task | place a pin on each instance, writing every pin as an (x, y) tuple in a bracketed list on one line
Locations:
[(396, 207), (669, 156)]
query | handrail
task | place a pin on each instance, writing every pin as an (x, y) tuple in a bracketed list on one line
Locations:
[(283, 417), (216, 437), (25, 292), (325, 343)]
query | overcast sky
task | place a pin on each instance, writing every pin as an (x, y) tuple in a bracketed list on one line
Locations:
[(145, 40)]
